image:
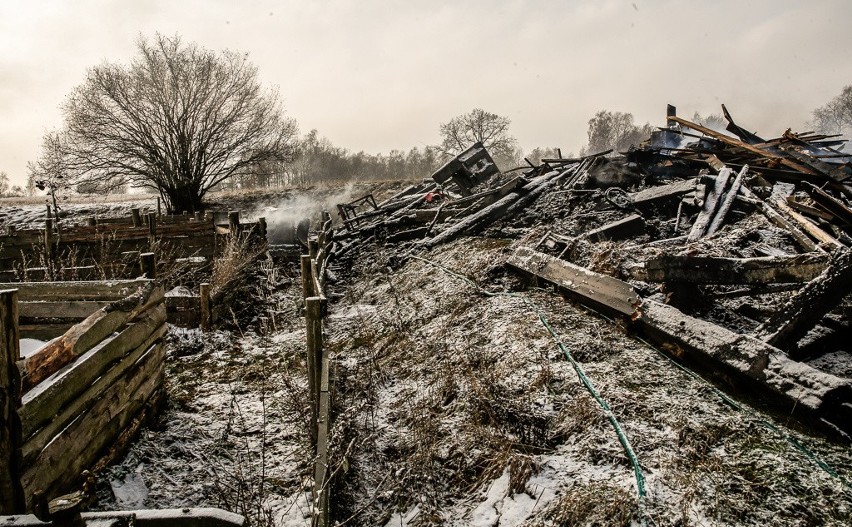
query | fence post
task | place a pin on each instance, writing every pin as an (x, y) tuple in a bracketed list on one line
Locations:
[(159, 209), (307, 282), (234, 221), (261, 222), (48, 237), (152, 227), (11, 490), (313, 247), (313, 330), (148, 263), (137, 217), (204, 291)]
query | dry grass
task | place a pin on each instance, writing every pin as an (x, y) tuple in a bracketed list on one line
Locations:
[(596, 503)]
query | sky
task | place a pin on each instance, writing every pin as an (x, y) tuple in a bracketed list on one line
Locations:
[(378, 75)]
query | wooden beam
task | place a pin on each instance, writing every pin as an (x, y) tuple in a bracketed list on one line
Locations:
[(810, 304), (798, 268), (94, 290), (626, 227), (589, 288), (810, 227), (776, 218), (60, 309), (11, 491)]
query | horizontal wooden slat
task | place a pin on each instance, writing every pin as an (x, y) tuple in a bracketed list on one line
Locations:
[(83, 290), (60, 309)]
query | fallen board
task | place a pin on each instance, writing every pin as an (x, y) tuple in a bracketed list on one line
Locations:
[(741, 361)]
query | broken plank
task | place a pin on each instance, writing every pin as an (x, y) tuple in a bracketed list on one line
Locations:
[(715, 270), (810, 227), (593, 289), (60, 309), (632, 225), (710, 204), (671, 190), (743, 361)]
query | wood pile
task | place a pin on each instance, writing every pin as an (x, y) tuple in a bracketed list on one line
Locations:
[(731, 251)]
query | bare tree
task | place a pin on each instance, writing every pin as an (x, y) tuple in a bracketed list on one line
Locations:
[(490, 129), (836, 116), (52, 173), (180, 119), (614, 131), (4, 184)]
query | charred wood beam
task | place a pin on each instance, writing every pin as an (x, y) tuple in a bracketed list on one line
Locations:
[(799, 268), (810, 304), (632, 225), (776, 218), (740, 361)]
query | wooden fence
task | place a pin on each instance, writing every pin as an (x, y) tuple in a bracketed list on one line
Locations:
[(79, 397), (111, 248), (313, 288)]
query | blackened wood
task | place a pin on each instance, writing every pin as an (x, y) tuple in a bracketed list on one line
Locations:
[(810, 304), (11, 491), (798, 268)]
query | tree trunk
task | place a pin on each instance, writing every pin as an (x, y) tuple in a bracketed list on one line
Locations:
[(183, 199)]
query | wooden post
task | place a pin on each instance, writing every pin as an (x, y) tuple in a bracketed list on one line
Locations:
[(137, 217), (48, 212), (199, 216), (313, 247), (206, 321), (307, 282), (261, 222), (152, 227), (48, 237), (148, 262), (159, 209), (313, 327), (234, 221), (11, 491)]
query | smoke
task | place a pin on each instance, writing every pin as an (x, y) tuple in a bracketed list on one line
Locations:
[(283, 218)]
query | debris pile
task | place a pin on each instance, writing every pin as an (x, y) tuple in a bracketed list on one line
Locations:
[(730, 250)]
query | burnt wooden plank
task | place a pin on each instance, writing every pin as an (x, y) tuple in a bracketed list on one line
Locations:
[(711, 203), (94, 290), (594, 289), (717, 270), (671, 190), (627, 227)]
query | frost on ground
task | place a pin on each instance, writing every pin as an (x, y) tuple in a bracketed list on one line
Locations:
[(458, 408), (234, 433)]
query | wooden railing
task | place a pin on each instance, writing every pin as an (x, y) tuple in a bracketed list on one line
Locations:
[(72, 401)]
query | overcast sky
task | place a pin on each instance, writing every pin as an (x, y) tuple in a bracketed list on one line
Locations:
[(379, 75)]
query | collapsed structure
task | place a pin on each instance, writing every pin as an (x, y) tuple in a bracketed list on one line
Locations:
[(730, 250)]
